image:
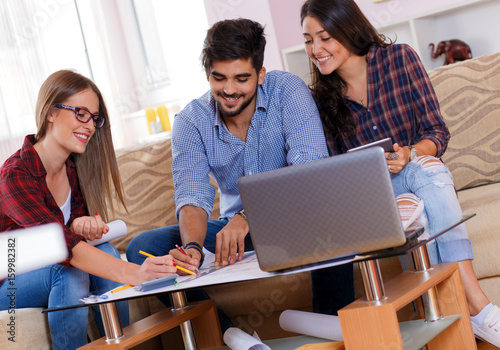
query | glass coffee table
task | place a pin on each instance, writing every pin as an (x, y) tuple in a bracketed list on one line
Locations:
[(199, 322)]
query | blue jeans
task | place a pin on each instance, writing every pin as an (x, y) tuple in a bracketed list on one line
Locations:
[(56, 285), (432, 182), (333, 288)]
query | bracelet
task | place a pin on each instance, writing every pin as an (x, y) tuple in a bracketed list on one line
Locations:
[(198, 248), (413, 153), (242, 213)]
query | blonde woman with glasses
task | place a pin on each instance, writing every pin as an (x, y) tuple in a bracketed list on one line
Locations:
[(65, 173)]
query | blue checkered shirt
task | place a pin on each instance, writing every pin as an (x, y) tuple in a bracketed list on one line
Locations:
[(285, 130)]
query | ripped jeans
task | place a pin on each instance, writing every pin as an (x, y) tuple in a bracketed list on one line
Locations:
[(430, 180)]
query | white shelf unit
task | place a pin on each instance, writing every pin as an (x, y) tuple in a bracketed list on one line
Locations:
[(473, 21)]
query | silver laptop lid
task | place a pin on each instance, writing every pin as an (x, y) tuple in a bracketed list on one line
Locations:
[(321, 210)]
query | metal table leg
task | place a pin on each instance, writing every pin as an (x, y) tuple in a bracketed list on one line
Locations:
[(430, 300), (179, 301), (111, 322), (372, 280)]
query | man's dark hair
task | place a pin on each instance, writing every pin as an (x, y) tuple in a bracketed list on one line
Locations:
[(233, 39)]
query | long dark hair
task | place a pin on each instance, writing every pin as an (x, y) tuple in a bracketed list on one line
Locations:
[(344, 21), (97, 166)]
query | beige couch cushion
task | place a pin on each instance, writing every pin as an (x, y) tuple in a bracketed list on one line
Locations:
[(31, 330), (484, 228), (469, 96)]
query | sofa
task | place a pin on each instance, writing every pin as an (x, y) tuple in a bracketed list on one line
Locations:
[(469, 96)]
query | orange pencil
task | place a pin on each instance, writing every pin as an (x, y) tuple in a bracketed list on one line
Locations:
[(120, 288)]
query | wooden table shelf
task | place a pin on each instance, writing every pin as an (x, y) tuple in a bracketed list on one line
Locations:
[(202, 314), (374, 325)]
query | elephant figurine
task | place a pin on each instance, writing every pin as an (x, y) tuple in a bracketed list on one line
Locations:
[(454, 50)]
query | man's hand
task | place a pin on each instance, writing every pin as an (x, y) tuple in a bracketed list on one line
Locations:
[(398, 159), (231, 240), (190, 261), (90, 227)]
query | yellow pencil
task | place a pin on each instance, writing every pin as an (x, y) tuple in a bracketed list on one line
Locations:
[(183, 269), (178, 267), (119, 289), (147, 254)]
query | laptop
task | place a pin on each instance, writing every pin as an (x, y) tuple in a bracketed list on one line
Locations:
[(335, 207)]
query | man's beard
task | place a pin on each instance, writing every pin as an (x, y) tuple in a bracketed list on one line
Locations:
[(233, 113)]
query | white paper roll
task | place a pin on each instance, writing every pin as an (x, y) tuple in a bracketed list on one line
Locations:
[(117, 229), (312, 324), (236, 339)]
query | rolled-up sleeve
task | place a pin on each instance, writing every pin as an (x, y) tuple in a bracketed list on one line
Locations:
[(428, 114)]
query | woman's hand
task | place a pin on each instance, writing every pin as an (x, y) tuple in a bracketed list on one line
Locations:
[(155, 267), (90, 227), (398, 159)]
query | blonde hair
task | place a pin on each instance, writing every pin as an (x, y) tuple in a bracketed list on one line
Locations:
[(97, 166)]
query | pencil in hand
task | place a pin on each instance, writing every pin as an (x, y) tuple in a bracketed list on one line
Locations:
[(174, 264), (184, 252), (183, 269), (146, 254)]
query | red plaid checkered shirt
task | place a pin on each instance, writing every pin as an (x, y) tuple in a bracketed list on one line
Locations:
[(25, 199)]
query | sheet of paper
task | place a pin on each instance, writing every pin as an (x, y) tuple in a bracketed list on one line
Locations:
[(244, 270)]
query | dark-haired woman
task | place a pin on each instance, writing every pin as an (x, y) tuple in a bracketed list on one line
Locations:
[(368, 88)]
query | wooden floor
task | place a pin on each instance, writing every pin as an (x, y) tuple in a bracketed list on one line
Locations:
[(485, 346)]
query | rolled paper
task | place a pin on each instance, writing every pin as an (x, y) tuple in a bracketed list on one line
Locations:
[(163, 115), (117, 229), (236, 339), (312, 324)]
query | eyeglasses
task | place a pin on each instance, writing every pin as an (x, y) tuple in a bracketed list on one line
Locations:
[(84, 116)]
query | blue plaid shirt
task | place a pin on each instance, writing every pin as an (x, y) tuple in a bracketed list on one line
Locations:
[(285, 130)]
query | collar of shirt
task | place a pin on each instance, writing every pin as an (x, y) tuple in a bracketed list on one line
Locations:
[(30, 156)]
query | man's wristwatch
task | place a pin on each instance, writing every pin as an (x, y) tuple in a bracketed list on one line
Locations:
[(413, 152), (242, 213)]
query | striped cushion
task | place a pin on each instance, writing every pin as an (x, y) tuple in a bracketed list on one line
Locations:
[(469, 96)]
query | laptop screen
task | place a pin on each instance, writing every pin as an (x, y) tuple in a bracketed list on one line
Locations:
[(320, 210)]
